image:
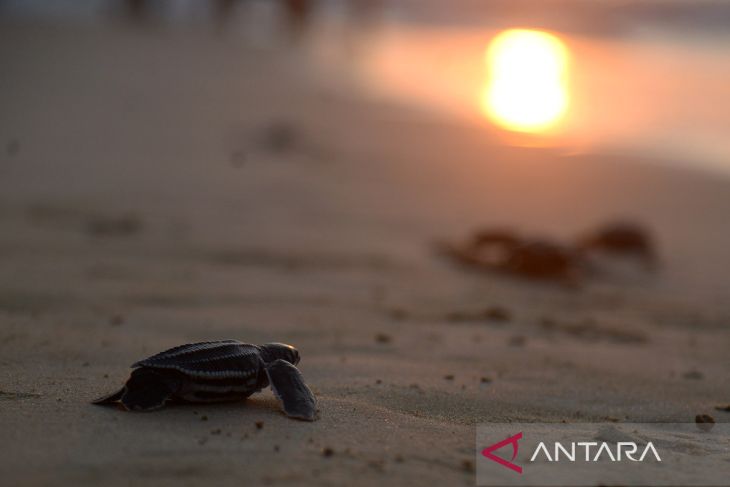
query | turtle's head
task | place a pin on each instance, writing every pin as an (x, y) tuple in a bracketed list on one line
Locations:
[(274, 351)]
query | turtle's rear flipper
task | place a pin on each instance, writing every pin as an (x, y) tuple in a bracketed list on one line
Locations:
[(289, 387), (109, 398), (147, 390)]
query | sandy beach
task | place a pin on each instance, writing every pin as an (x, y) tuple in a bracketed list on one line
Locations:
[(145, 204)]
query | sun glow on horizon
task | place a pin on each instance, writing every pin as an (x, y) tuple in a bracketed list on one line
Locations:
[(527, 82)]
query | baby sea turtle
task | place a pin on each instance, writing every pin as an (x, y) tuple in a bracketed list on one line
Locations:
[(621, 238), (501, 250), (226, 370)]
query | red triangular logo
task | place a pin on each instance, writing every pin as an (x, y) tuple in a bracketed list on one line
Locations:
[(487, 452)]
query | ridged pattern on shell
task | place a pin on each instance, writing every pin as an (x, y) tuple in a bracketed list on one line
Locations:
[(209, 360)]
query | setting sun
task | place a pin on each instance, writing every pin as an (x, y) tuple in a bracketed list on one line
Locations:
[(526, 89)]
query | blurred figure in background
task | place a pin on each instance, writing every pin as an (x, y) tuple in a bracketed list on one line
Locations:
[(298, 15)]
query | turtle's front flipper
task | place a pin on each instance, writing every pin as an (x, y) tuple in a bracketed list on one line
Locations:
[(288, 385), (147, 390), (109, 398)]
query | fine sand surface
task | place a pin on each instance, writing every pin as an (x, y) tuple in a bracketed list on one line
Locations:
[(158, 188)]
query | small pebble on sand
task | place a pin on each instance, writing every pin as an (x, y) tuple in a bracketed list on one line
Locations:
[(383, 338), (114, 225), (497, 313), (259, 425), (327, 452), (705, 422), (693, 375), (116, 320), (280, 137)]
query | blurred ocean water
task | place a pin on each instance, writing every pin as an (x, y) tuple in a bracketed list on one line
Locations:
[(650, 77)]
